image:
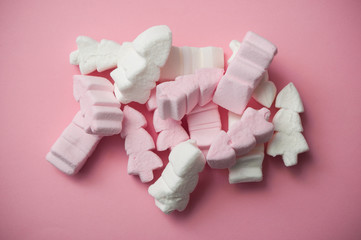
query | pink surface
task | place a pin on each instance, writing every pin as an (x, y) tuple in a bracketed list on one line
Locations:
[(319, 50)]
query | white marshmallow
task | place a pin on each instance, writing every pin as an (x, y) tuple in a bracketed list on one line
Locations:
[(186, 60), (86, 55), (265, 92), (234, 45), (289, 98), (232, 118), (287, 121), (107, 55), (248, 168), (187, 159), (179, 178), (287, 145), (177, 184), (154, 44)]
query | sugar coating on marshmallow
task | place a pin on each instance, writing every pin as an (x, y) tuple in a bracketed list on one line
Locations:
[(83, 83), (179, 178), (289, 98), (244, 72), (187, 60), (71, 150), (132, 121), (107, 55)]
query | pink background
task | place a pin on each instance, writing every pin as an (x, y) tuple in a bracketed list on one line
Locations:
[(319, 51)]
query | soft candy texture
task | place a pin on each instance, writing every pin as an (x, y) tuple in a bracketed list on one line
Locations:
[(152, 101), (98, 105), (107, 55), (179, 97), (204, 124), (71, 150), (265, 92), (138, 143), (138, 64), (179, 178), (244, 73), (288, 141), (86, 55), (253, 128), (289, 98), (248, 168), (186, 60), (171, 132), (287, 121)]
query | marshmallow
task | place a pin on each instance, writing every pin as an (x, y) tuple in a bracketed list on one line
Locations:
[(244, 72), (171, 137), (221, 154), (132, 121), (287, 121), (288, 141), (143, 164), (98, 105), (152, 101), (86, 55), (104, 121), (287, 145), (178, 184), (253, 128), (179, 178), (138, 143), (107, 55), (176, 98), (171, 133), (186, 60), (186, 159), (154, 44), (289, 98), (71, 150), (204, 124), (248, 168), (265, 92), (83, 83), (138, 65)]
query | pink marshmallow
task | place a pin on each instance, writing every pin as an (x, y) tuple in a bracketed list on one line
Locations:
[(204, 124), (138, 141), (104, 121), (71, 150), (208, 79), (132, 121), (175, 99), (244, 73), (84, 83), (221, 154), (152, 101), (171, 102), (253, 128), (97, 98), (171, 137), (160, 124), (190, 88), (143, 164)]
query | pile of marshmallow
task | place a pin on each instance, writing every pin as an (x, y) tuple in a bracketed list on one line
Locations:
[(179, 83)]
